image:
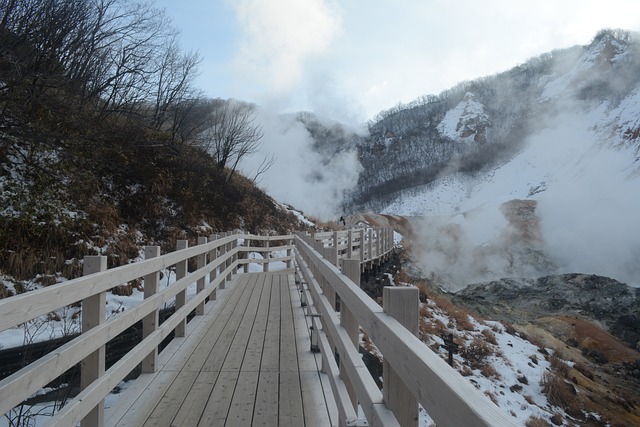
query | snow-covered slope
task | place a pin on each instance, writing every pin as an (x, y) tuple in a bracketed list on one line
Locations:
[(580, 165)]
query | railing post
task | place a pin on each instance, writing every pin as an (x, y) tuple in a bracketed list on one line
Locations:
[(211, 257), (383, 241), (402, 304), (350, 244), (150, 322), (228, 248), (290, 254), (378, 244), (218, 252), (362, 245), (247, 244), (370, 245), (181, 297), (234, 245), (265, 256), (221, 254), (336, 251), (351, 269), (93, 313), (201, 262)]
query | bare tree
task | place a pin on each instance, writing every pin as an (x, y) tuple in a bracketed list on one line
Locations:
[(232, 134), (174, 81), (189, 118), (264, 166)]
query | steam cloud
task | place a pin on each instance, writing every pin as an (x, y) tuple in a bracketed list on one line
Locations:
[(587, 214), (301, 176)]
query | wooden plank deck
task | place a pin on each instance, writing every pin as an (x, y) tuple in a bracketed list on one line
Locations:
[(246, 362)]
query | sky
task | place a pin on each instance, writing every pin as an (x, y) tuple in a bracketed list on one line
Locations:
[(349, 60)]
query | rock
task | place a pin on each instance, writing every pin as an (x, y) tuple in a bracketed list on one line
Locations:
[(613, 305)]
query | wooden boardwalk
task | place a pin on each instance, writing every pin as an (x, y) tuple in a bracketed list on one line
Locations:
[(247, 361)]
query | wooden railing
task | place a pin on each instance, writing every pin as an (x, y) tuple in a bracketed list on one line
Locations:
[(412, 372), (217, 259), (365, 244)]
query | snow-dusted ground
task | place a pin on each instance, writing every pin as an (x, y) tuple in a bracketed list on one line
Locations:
[(516, 366)]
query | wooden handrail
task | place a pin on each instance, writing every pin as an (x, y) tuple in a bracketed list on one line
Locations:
[(446, 396), (218, 260)]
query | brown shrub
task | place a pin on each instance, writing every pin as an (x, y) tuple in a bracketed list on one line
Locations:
[(425, 311), (466, 371), (4, 292), (476, 352), (491, 396), (556, 419), (584, 370), (559, 393), (489, 371), (558, 365), (459, 316), (536, 422), (430, 328), (489, 336)]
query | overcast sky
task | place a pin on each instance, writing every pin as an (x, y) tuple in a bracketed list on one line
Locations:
[(350, 59)]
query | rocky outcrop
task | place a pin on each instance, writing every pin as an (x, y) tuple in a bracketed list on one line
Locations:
[(611, 304)]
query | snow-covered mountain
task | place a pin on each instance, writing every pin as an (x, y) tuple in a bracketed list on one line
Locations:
[(559, 132)]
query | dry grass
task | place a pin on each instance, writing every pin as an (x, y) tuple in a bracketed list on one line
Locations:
[(559, 393), (536, 422), (431, 327), (489, 336), (584, 370), (459, 316), (489, 371), (491, 396)]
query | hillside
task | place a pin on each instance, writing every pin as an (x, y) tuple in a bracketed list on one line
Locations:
[(101, 154), (528, 173), (483, 123)]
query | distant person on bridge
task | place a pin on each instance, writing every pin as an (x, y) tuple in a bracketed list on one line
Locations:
[(341, 220)]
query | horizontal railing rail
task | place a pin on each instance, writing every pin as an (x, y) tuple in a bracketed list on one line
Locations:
[(412, 373), (217, 258), (366, 244)]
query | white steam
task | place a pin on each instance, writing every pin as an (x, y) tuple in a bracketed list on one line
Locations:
[(591, 220), (300, 176), (587, 213)]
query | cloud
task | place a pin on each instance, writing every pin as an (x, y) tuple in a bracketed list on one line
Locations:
[(280, 36)]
